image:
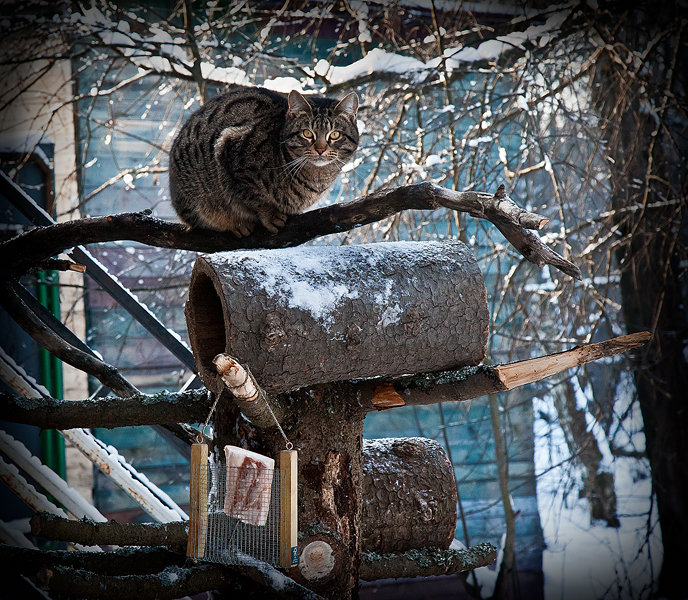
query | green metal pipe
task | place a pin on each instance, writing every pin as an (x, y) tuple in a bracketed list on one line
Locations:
[(52, 443), (59, 460)]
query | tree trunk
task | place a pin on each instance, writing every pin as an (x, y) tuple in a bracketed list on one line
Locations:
[(326, 427), (644, 127), (316, 314)]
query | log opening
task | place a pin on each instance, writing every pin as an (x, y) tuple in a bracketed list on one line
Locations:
[(206, 310)]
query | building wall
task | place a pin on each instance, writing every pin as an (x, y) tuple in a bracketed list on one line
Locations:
[(43, 113)]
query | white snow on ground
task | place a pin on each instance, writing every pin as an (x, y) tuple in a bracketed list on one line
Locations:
[(584, 560)]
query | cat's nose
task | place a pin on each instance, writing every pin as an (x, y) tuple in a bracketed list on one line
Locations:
[(320, 149)]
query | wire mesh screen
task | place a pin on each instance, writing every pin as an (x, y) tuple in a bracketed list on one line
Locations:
[(243, 514)]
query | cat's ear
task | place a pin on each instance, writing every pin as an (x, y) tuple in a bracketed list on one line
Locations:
[(348, 105), (297, 103)]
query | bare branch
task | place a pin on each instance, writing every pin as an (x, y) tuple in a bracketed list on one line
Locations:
[(140, 409), (43, 242), (426, 562), (27, 320), (85, 531), (196, 72)]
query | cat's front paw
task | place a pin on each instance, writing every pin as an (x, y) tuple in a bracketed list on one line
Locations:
[(242, 230), (273, 222)]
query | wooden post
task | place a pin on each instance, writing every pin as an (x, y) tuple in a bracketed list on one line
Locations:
[(290, 516), (198, 500)]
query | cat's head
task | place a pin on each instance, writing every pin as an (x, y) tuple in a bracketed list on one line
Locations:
[(321, 130)]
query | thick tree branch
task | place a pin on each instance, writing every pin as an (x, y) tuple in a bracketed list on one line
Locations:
[(90, 533), (128, 573), (118, 562), (426, 562), (473, 382), (37, 245), (163, 408), (375, 394)]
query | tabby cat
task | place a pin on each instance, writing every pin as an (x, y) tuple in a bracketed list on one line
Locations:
[(253, 156)]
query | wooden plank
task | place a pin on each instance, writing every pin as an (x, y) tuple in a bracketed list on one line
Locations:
[(289, 555), (50, 481), (198, 500), (535, 369)]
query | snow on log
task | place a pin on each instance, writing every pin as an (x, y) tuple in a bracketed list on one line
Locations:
[(307, 315), (409, 498)]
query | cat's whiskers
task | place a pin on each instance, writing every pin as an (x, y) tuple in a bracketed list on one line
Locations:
[(293, 166)]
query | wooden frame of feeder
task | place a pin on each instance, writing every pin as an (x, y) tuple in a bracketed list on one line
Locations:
[(198, 511)]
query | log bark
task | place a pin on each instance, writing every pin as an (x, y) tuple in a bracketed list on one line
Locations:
[(37, 245), (423, 563), (326, 427), (409, 495), (316, 314)]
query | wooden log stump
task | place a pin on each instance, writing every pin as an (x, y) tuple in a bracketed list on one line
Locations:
[(308, 315), (409, 495)]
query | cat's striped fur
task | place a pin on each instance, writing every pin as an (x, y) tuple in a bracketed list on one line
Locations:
[(255, 156)]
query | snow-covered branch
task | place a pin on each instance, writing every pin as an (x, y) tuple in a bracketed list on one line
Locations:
[(143, 573)]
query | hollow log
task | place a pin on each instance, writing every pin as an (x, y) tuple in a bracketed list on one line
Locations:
[(409, 495), (302, 316)]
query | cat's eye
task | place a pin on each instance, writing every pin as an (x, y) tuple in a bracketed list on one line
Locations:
[(335, 135), (308, 134)]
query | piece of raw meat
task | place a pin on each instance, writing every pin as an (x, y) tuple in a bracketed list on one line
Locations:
[(249, 483)]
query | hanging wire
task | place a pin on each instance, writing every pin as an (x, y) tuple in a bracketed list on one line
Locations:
[(263, 395), (201, 435)]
